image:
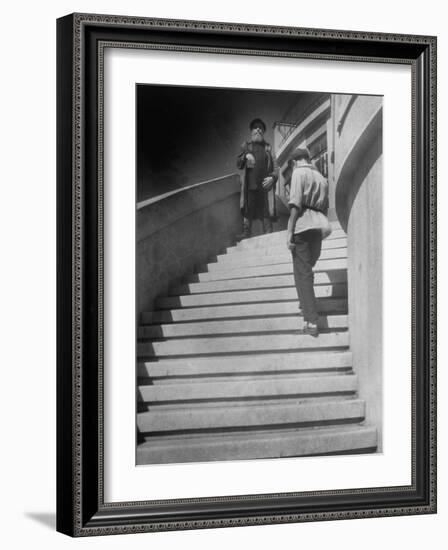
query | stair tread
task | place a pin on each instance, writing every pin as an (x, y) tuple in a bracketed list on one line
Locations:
[(267, 433), (336, 231), (257, 387), (260, 444), (241, 344), (278, 281), (236, 272), (250, 415), (279, 256), (232, 262), (279, 238), (237, 326), (239, 311), (247, 296), (299, 361), (339, 242)]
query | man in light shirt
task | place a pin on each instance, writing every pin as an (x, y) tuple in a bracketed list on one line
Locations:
[(307, 226)]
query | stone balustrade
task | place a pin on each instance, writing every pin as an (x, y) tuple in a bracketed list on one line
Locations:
[(181, 229)]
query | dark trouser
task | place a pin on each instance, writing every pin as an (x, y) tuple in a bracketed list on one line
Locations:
[(247, 226), (304, 258)]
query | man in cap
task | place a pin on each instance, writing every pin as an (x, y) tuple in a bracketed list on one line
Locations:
[(307, 226), (258, 190)]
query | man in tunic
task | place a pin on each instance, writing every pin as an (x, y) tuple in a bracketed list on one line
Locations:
[(258, 189), (307, 226)]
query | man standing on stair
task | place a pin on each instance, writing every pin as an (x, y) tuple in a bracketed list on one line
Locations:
[(307, 226), (258, 190)]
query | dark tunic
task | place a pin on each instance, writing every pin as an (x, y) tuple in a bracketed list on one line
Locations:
[(256, 175), (257, 207), (257, 203)]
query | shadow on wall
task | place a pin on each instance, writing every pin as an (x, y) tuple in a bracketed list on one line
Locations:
[(353, 173)]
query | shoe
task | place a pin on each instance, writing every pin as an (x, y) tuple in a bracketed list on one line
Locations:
[(311, 329)]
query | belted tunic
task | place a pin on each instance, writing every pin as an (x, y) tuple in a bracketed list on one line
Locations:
[(309, 193)]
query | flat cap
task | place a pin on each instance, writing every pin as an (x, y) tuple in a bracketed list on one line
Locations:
[(300, 153)]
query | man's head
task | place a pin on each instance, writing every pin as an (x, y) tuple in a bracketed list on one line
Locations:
[(257, 130), (300, 155)]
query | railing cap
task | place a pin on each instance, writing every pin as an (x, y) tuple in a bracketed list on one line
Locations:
[(159, 212)]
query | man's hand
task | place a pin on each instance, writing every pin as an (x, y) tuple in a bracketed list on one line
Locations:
[(250, 160), (267, 183), (289, 242)]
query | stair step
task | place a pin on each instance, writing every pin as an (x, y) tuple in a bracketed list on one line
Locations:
[(335, 228), (267, 444), (256, 388), (320, 278), (246, 296), (213, 418), (241, 344), (280, 236), (261, 271), (208, 404), (225, 372), (324, 305), (315, 361), (281, 255), (326, 244), (238, 326)]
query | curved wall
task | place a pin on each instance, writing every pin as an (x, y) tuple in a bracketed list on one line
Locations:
[(358, 173)]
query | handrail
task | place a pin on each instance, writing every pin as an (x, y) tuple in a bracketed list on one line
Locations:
[(158, 212), (344, 115), (158, 198), (299, 129)]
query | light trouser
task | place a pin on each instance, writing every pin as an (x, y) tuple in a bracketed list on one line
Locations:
[(305, 254)]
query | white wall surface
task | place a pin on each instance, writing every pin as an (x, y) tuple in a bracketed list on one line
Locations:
[(28, 301)]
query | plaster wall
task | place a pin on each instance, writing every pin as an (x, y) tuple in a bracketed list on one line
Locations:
[(365, 289), (359, 206)]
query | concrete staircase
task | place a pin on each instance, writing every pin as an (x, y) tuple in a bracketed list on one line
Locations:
[(225, 373)]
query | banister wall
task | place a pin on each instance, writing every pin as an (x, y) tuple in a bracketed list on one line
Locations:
[(359, 207), (181, 229)]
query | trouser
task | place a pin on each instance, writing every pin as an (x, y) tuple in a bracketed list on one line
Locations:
[(305, 254), (247, 226)]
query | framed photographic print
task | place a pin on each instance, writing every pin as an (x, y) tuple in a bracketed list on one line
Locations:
[(246, 274)]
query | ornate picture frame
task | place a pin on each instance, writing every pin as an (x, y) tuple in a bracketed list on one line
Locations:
[(81, 506)]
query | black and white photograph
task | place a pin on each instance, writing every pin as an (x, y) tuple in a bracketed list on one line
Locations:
[(259, 300), (222, 242)]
